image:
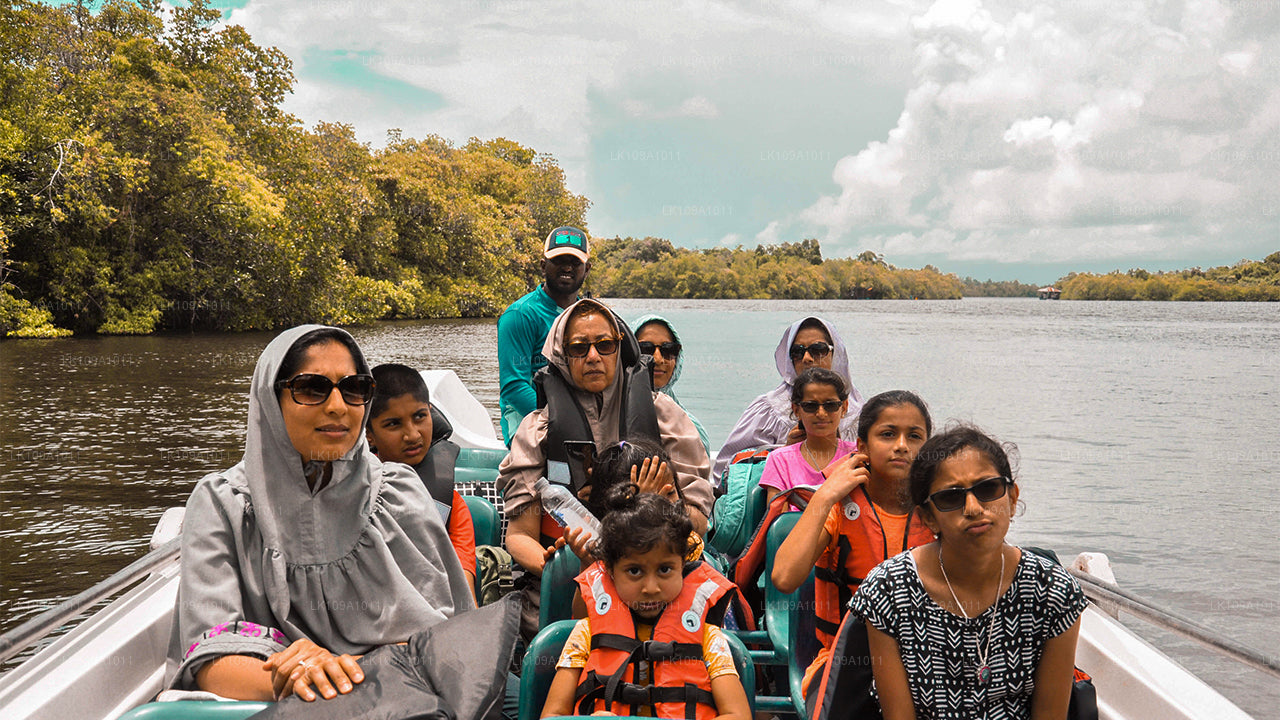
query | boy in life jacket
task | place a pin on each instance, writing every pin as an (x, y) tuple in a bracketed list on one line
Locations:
[(647, 645), (842, 541), (403, 428)]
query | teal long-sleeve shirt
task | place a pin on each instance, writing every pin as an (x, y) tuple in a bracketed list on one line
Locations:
[(522, 330)]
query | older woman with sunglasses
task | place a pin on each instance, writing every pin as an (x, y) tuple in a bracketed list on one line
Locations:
[(658, 339), (594, 392), (768, 420), (969, 626), (309, 552)]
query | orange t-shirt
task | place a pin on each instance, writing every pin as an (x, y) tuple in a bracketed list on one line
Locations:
[(462, 533)]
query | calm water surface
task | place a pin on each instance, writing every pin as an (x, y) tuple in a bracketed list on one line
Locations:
[(1146, 431)]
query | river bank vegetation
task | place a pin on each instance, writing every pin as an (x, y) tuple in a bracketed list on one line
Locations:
[(1247, 280), (654, 268)]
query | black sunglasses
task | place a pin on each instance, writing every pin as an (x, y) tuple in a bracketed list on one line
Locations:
[(607, 346), (811, 406), (984, 490), (311, 389), (670, 350), (816, 350)]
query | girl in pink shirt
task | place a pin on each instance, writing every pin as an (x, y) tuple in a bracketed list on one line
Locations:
[(819, 400)]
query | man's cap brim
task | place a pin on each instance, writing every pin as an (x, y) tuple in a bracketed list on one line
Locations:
[(565, 250)]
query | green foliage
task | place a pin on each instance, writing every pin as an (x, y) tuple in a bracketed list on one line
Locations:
[(998, 288), (652, 268), (1247, 280), (149, 180)]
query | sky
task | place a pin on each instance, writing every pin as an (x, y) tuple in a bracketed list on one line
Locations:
[(1000, 139)]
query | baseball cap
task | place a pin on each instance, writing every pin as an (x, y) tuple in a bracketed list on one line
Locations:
[(566, 240)]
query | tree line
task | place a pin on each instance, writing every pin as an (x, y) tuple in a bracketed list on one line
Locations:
[(1247, 280), (150, 180), (654, 268)]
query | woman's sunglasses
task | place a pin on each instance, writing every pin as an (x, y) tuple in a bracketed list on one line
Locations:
[(811, 406), (607, 346), (670, 350), (816, 351), (311, 389), (984, 490)]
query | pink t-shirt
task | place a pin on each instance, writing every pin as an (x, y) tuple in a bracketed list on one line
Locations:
[(786, 467)]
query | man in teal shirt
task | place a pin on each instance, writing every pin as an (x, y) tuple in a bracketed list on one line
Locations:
[(523, 326)]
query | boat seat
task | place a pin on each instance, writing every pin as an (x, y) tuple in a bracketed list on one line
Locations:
[(539, 667), (464, 474), (782, 622), (484, 516), (480, 458), (196, 710), (556, 594)]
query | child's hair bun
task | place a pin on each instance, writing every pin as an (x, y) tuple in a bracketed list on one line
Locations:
[(640, 521)]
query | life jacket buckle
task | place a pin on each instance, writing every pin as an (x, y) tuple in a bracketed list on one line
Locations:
[(659, 651), (632, 694)]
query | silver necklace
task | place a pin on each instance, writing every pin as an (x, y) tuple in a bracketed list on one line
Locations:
[(808, 455), (984, 669)]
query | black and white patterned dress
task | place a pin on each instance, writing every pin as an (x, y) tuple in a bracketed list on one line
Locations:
[(939, 650)]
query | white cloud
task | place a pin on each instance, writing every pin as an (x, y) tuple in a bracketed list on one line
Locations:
[(769, 235), (530, 72), (1073, 132)]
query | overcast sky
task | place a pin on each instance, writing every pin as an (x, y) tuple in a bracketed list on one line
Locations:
[(1001, 139)]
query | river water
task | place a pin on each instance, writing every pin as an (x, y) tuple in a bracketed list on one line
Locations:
[(1146, 431)]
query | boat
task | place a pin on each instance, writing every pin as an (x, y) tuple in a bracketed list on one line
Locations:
[(114, 660), (1049, 293)]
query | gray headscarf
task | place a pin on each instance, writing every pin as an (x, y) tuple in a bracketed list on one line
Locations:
[(361, 561)]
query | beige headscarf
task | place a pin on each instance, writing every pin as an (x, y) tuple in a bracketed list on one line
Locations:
[(527, 462)]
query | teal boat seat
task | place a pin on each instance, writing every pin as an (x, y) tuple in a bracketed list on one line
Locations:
[(539, 667), (556, 592), (781, 621), (196, 710), (464, 474), (480, 458), (484, 516)]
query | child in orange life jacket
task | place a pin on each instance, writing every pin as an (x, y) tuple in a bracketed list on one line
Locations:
[(637, 592), (843, 542)]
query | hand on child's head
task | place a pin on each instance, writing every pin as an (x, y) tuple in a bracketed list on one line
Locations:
[(651, 475)]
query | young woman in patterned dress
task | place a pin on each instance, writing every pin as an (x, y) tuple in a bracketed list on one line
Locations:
[(969, 626)]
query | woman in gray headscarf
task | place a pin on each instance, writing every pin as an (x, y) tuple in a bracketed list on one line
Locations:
[(309, 552), (767, 421)]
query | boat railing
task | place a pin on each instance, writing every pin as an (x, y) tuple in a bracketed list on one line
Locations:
[(31, 631), (1108, 594), (1096, 589)]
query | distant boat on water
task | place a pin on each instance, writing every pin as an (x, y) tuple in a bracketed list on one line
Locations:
[(1050, 293)]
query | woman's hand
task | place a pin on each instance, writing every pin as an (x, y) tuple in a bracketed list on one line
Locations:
[(551, 549), (654, 476), (796, 435), (304, 663)]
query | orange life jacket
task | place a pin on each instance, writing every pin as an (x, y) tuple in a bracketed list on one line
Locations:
[(549, 530), (862, 545), (681, 686)]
